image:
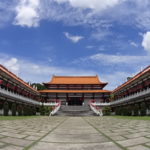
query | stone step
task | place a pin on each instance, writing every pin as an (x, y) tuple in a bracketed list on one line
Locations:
[(75, 108), (60, 113), (75, 111)]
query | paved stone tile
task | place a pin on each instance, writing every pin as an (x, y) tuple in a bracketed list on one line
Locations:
[(1, 144), (87, 146), (33, 133), (15, 141), (74, 138), (12, 147), (133, 132), (33, 138), (138, 147), (137, 134), (148, 144), (13, 135), (1, 136), (118, 138), (134, 141), (12, 131), (75, 133), (78, 131), (113, 134)]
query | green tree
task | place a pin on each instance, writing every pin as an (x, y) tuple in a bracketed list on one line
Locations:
[(6, 108), (25, 110), (13, 109), (1, 104), (118, 111), (143, 109), (136, 110), (19, 109), (107, 110), (42, 110), (38, 86)]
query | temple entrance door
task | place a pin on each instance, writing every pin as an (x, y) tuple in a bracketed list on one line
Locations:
[(75, 101)]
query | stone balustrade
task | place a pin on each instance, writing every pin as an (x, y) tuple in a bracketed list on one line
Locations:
[(18, 97), (125, 99)]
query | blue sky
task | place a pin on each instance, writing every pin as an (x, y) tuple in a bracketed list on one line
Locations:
[(109, 38)]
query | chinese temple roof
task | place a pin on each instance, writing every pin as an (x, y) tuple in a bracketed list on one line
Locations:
[(74, 91), (75, 80), (144, 71)]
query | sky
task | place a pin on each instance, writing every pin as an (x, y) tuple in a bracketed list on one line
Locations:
[(42, 38)]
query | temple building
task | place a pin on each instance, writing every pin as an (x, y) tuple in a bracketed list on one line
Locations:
[(80, 94), (14, 92), (75, 90), (135, 92)]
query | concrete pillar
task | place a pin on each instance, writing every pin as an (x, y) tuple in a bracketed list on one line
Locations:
[(9, 112), (1, 111)]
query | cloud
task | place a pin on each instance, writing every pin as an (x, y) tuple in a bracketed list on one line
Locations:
[(37, 72), (101, 34), (73, 38), (12, 64), (90, 46), (133, 44), (97, 5), (97, 14), (6, 12), (146, 41), (27, 13), (118, 59), (114, 79)]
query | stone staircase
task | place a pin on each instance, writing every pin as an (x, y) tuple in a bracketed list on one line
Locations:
[(75, 111)]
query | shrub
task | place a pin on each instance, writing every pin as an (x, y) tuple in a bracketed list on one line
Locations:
[(143, 109), (118, 111), (129, 110), (6, 108), (45, 110), (33, 111), (29, 111), (1, 104), (19, 109), (124, 111), (13, 109), (136, 110), (42, 110), (25, 110), (107, 111)]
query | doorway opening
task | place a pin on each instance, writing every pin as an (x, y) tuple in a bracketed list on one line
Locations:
[(75, 101)]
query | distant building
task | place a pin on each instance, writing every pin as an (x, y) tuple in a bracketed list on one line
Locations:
[(14, 90), (135, 91), (75, 90), (19, 98)]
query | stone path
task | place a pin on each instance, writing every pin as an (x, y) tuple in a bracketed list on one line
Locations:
[(75, 133)]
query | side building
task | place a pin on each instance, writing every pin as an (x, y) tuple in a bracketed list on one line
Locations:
[(75, 90), (133, 96), (16, 96)]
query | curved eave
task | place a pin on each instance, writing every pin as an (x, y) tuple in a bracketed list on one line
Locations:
[(74, 91), (102, 83)]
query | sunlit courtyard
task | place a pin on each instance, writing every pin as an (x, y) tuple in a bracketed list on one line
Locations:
[(74, 133)]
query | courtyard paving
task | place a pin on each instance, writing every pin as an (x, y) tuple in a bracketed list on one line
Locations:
[(75, 133)]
